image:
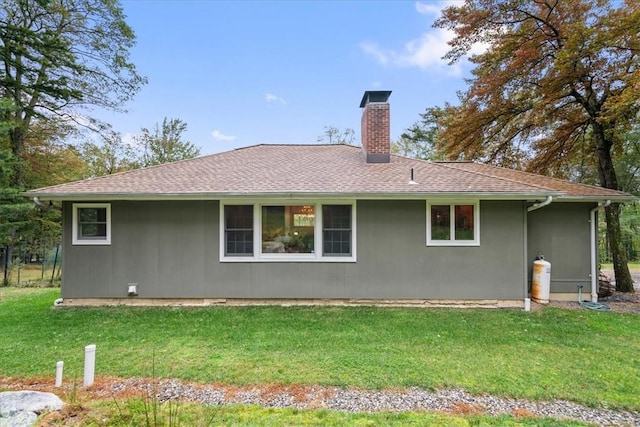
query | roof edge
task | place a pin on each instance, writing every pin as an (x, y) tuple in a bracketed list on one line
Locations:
[(290, 195)]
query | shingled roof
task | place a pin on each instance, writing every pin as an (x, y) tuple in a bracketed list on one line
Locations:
[(318, 171)]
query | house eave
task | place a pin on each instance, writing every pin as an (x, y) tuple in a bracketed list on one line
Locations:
[(418, 195), (596, 199)]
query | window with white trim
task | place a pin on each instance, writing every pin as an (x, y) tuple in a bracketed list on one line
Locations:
[(238, 230), (91, 224), (453, 223), (336, 230), (287, 232)]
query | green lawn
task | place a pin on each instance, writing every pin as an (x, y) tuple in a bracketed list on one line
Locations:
[(133, 413), (633, 266), (581, 355)]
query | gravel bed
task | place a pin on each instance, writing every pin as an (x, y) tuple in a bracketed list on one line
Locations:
[(413, 399)]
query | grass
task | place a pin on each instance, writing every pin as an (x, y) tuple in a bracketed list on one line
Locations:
[(32, 275), (131, 413), (579, 355), (633, 266)]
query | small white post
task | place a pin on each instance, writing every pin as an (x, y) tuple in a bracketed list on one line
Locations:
[(527, 304), (89, 364), (59, 368)]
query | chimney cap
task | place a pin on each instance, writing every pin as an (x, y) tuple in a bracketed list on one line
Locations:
[(374, 96)]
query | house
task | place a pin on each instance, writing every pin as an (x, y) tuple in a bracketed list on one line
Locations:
[(325, 223)]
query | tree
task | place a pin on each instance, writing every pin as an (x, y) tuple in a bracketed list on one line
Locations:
[(420, 141), (14, 209), (111, 156), (554, 73), (334, 135), (60, 57), (165, 144)]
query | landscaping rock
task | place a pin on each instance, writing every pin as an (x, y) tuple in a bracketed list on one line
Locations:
[(21, 408), (19, 419)]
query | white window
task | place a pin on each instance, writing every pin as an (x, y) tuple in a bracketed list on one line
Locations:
[(91, 224), (453, 223), (274, 231)]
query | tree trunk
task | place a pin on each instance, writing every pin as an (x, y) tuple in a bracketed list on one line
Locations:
[(608, 179), (17, 137), (624, 282)]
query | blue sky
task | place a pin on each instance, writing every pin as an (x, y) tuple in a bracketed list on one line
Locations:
[(241, 73)]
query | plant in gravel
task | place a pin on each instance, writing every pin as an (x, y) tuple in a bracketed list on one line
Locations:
[(151, 411)]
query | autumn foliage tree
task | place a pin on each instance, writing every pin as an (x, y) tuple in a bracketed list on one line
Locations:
[(556, 77)]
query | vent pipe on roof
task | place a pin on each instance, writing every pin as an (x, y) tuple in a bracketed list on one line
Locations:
[(411, 181), (376, 123)]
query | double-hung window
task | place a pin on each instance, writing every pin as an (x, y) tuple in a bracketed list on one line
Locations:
[(453, 224), (288, 232), (238, 230), (336, 230), (91, 224)]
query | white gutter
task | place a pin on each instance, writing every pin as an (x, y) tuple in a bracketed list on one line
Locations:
[(540, 205), (37, 201), (594, 245)]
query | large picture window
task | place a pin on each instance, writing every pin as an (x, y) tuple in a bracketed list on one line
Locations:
[(453, 224), (91, 224), (288, 229), (288, 232)]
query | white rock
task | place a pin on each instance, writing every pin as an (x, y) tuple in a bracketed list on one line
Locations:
[(19, 419), (21, 408)]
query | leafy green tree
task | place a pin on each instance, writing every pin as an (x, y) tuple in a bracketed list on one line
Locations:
[(60, 58), (14, 209), (111, 156), (165, 143), (554, 72), (420, 141), (333, 135)]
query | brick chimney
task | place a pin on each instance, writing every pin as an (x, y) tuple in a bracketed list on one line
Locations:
[(376, 122)]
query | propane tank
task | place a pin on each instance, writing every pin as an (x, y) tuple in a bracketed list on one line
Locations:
[(541, 280)]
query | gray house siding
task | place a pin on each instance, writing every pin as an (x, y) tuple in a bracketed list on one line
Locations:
[(171, 249), (561, 232)]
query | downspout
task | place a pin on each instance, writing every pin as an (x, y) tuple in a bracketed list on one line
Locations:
[(37, 201), (535, 206), (593, 232), (540, 205)]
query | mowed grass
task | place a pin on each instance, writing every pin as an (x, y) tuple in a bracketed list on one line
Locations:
[(580, 355), (134, 413)]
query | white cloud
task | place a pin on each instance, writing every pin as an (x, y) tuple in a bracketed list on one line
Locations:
[(425, 51), (271, 99), (432, 8), (219, 136)]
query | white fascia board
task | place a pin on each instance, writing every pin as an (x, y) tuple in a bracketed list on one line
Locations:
[(597, 199), (75, 197)]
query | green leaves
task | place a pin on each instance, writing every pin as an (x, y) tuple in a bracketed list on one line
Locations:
[(165, 143), (58, 57)]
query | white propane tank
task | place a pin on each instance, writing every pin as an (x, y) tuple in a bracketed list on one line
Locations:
[(541, 281)]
